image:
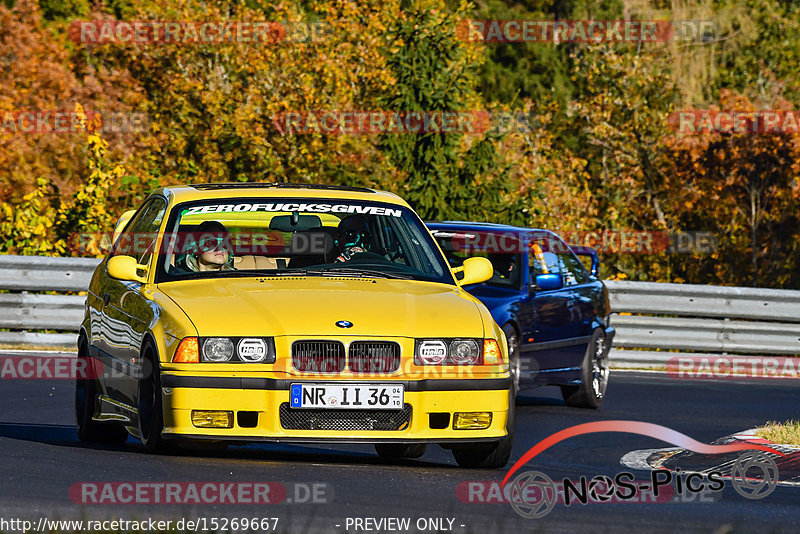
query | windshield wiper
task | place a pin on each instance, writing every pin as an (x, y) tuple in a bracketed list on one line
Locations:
[(365, 273), (295, 272)]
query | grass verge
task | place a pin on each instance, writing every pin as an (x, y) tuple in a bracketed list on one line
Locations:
[(787, 433)]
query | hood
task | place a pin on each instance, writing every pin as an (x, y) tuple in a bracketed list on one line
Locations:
[(311, 306)]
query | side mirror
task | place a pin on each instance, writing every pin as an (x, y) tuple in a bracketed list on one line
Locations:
[(125, 268), (476, 270), (591, 253), (123, 220), (548, 282)]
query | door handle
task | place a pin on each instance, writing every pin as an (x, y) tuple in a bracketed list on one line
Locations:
[(106, 299)]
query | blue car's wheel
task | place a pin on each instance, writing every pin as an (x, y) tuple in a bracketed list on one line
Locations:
[(594, 376), (512, 338)]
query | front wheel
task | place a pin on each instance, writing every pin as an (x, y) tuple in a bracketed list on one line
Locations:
[(86, 392), (594, 376), (149, 402), (493, 456)]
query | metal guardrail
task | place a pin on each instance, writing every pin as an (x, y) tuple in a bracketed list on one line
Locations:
[(652, 320), (24, 315), (700, 320)]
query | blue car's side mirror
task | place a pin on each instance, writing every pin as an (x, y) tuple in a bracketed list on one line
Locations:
[(548, 282)]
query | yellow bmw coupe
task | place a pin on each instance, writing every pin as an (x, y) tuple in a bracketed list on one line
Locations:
[(235, 313)]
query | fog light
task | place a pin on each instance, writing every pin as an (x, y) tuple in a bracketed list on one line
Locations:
[(471, 420), (212, 419)]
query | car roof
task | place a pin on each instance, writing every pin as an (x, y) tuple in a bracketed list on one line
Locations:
[(483, 227), (183, 193)]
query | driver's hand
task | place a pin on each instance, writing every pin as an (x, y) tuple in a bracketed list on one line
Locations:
[(349, 253)]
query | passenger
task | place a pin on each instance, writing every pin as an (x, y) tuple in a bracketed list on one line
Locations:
[(213, 249)]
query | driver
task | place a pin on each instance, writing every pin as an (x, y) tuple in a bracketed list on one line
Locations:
[(213, 249), (503, 264), (352, 237)]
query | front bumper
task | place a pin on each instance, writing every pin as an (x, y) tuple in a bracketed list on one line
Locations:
[(183, 393)]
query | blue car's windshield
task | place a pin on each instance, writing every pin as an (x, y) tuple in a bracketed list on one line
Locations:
[(505, 255)]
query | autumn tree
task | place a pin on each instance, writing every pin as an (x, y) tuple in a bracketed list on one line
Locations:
[(744, 187), (446, 175)]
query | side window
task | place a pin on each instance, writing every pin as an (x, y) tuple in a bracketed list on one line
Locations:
[(139, 238), (572, 270), (541, 262), (550, 255)]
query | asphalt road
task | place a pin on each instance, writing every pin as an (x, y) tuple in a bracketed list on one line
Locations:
[(42, 459)]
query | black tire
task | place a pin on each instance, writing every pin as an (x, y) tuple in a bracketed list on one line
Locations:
[(86, 391), (512, 339), (594, 376), (150, 404), (399, 451), (493, 456)]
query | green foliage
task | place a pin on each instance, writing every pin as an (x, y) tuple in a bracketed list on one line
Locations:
[(46, 223), (446, 176), (63, 9), (765, 66), (87, 211), (592, 151), (25, 226)]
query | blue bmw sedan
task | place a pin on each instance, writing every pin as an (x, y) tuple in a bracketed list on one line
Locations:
[(553, 309)]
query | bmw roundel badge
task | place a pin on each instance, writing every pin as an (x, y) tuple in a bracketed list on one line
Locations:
[(344, 324)]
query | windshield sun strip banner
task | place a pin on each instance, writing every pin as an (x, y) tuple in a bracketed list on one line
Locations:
[(290, 207)]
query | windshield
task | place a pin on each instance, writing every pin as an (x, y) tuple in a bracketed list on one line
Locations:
[(502, 251), (284, 236)]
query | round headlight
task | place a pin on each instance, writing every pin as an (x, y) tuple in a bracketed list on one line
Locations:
[(432, 352), (217, 349), (464, 351), (252, 350)]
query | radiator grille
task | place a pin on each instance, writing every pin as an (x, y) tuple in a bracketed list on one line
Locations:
[(374, 357), (318, 356)]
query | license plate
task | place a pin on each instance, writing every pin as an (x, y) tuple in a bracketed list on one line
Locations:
[(347, 396)]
